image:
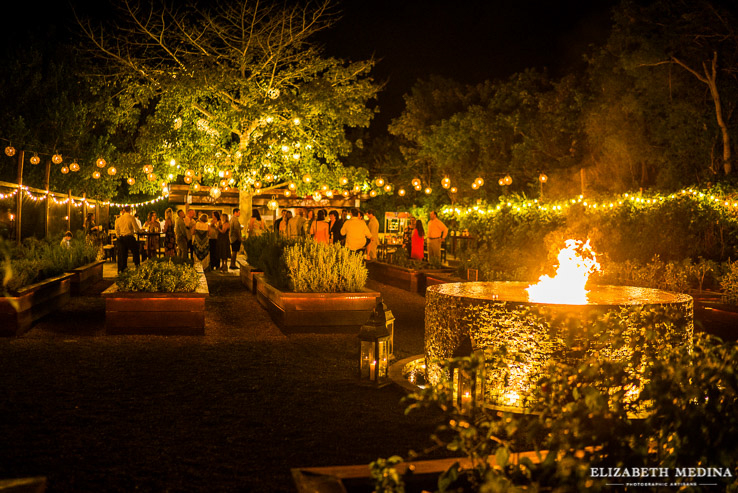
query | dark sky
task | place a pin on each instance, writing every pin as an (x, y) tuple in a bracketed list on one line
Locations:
[(468, 40)]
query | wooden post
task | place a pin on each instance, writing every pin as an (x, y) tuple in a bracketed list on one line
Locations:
[(47, 207), (84, 208), (69, 210), (19, 198)]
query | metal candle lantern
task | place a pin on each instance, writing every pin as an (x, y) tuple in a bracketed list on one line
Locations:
[(374, 349)]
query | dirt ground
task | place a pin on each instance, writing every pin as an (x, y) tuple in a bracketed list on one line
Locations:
[(233, 410)]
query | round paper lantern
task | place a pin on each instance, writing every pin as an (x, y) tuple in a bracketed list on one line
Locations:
[(56, 158), (100, 163), (10, 151), (35, 159)]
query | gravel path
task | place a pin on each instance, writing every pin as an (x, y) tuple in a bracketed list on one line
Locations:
[(233, 410)]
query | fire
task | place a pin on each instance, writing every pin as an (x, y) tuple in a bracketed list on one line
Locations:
[(567, 286)]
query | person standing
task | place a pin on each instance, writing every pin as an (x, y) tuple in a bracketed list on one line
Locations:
[(371, 249), (437, 232), (284, 225), (320, 230), (180, 234), (170, 242), (296, 225), (356, 232), (126, 229), (152, 241), (334, 227), (191, 222), (234, 236), (200, 244), (418, 241), (214, 229), (256, 223), (308, 226), (224, 246)]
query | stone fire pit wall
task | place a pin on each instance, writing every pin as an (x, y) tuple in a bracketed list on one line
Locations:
[(494, 314)]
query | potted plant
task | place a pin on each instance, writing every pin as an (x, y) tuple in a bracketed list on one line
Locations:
[(161, 296)]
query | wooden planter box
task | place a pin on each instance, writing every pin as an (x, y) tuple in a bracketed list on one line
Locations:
[(33, 302), (83, 278), (717, 318), (401, 277), (333, 312), (247, 272), (156, 313)]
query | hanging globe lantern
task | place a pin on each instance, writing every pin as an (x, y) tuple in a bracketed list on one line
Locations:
[(112, 170), (388, 188), (96, 175), (343, 181), (542, 178), (189, 173), (10, 151), (196, 187), (188, 179), (100, 163), (508, 179), (35, 159), (307, 178), (257, 184), (257, 191), (323, 187), (346, 193), (148, 169), (428, 190), (227, 174), (446, 182), (273, 205), (475, 185), (64, 170), (401, 192), (380, 182), (317, 196), (151, 177), (479, 181), (501, 182), (329, 194), (287, 193), (215, 192), (74, 167), (163, 185), (357, 189), (418, 188), (453, 190), (292, 186), (131, 180), (223, 183), (56, 159), (269, 178), (416, 182), (372, 193)]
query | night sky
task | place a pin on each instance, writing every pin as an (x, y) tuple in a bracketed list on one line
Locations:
[(468, 40)]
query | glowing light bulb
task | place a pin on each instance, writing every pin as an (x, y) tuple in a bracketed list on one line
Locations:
[(416, 182), (74, 167), (131, 180), (10, 151), (428, 190), (307, 178), (64, 170), (343, 181), (401, 192), (112, 170), (35, 159), (446, 182), (380, 182), (96, 175), (372, 193), (56, 158), (479, 181)]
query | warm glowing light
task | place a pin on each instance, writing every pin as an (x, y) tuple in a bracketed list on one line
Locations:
[(257, 191), (292, 186), (479, 181), (576, 262), (287, 193), (272, 205), (196, 187), (74, 166), (388, 188), (64, 170), (148, 169), (346, 193), (10, 151), (269, 177), (380, 182), (189, 173), (501, 182), (508, 180), (96, 175), (112, 170), (151, 177), (100, 163), (317, 196), (475, 185), (223, 183), (542, 178), (329, 194), (188, 179), (307, 178), (418, 188), (257, 184), (56, 158), (131, 180), (173, 162), (401, 192), (357, 189), (215, 192), (372, 193), (35, 159), (428, 190), (453, 190), (446, 182), (323, 188), (416, 182), (296, 121), (343, 181)]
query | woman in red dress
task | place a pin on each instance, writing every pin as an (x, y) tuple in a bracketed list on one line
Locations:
[(418, 241), (320, 230)]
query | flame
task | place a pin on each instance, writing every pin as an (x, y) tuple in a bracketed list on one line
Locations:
[(567, 286)]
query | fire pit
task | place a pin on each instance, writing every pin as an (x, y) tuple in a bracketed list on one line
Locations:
[(556, 320)]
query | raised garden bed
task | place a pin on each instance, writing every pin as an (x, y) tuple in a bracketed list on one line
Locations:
[(156, 313), (431, 279), (247, 275), (84, 277), (33, 302), (332, 312), (412, 280)]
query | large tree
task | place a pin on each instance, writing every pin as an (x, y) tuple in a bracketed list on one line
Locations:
[(237, 89)]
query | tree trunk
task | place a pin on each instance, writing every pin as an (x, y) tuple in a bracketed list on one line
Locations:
[(711, 77)]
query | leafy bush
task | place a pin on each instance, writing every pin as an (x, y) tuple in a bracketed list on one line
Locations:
[(324, 268), (254, 245), (269, 257), (729, 283), (155, 276)]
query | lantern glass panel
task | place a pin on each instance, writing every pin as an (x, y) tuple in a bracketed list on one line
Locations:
[(367, 359), (382, 358)]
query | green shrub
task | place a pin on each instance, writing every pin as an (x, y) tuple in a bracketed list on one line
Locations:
[(254, 245), (159, 277), (324, 268), (271, 258), (729, 283)]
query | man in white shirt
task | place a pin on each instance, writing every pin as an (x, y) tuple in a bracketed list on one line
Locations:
[(126, 229), (371, 250), (437, 232), (295, 226), (356, 232)]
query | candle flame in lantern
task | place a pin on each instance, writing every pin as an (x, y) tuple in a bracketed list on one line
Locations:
[(576, 262)]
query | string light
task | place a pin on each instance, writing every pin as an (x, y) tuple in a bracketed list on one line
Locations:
[(56, 159), (446, 182), (74, 166), (112, 170), (35, 159), (401, 192), (343, 181), (307, 178), (131, 180), (64, 170), (10, 151)]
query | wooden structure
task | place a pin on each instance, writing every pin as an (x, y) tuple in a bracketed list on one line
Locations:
[(32, 303), (247, 274), (402, 277), (84, 277), (333, 312), (156, 313)]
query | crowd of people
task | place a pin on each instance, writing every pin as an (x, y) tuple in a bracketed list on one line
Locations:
[(215, 240)]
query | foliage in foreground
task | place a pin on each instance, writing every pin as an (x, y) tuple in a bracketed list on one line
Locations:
[(586, 416), (154, 276), (324, 268), (35, 260)]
